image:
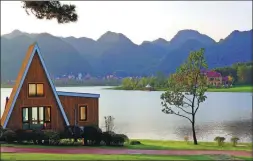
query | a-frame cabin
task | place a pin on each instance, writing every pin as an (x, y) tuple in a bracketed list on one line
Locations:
[(34, 102)]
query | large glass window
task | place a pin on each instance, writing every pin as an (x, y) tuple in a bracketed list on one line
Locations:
[(41, 115), (36, 117), (25, 114), (35, 90), (83, 113)]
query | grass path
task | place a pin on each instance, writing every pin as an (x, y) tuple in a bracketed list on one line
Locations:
[(133, 152), (38, 156), (49, 156)]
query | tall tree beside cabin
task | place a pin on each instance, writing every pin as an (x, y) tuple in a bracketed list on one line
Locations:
[(51, 10), (187, 87)]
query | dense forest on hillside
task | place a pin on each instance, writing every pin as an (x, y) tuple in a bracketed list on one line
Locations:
[(240, 72)]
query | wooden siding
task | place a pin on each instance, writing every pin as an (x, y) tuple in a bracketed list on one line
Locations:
[(69, 104), (36, 74)]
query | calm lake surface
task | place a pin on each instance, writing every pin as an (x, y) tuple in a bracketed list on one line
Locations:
[(138, 114)]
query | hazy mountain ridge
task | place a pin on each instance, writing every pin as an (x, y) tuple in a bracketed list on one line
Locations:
[(115, 52)]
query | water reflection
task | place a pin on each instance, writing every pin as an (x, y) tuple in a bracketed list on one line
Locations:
[(242, 129)]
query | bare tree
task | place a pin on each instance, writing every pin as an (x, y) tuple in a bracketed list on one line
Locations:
[(50, 10), (109, 123)]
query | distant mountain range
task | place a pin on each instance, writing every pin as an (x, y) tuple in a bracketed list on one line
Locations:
[(115, 53)]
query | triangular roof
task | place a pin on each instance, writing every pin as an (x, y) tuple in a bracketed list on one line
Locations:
[(34, 48), (148, 86)]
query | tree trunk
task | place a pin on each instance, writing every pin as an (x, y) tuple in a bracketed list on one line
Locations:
[(194, 134)]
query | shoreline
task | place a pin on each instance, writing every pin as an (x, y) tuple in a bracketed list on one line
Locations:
[(11, 86), (236, 89)]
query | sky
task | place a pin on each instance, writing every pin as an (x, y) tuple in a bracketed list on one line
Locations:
[(138, 20)]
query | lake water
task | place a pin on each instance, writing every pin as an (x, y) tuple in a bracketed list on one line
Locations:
[(138, 114)]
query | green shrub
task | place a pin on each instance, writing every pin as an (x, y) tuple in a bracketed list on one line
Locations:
[(117, 140), (2, 130), (38, 136), (35, 135), (9, 136), (234, 140), (110, 138), (125, 137), (74, 132), (135, 142), (107, 137), (219, 140), (23, 135), (52, 136), (65, 142), (92, 135)]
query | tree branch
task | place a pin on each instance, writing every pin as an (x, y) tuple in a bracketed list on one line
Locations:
[(183, 110), (188, 100), (168, 110), (196, 108), (180, 108), (183, 116)]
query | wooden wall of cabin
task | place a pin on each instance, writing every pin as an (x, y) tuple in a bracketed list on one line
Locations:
[(36, 74), (69, 104)]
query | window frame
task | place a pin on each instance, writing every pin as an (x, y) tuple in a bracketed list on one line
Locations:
[(30, 121), (86, 112), (27, 113), (36, 92)]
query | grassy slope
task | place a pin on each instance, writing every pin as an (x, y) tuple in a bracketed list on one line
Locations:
[(24, 156), (160, 145)]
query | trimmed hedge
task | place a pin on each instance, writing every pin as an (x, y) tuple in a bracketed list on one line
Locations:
[(9, 136), (92, 135), (112, 139)]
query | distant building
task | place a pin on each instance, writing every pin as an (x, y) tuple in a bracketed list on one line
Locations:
[(79, 76), (149, 87), (225, 80), (87, 76), (215, 78)]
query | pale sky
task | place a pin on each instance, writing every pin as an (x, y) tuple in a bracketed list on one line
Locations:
[(139, 20)]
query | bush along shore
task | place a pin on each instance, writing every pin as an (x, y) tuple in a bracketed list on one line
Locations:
[(94, 137), (91, 136)]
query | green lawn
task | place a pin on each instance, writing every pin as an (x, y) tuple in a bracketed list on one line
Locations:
[(160, 145), (39, 156), (182, 145), (232, 89)]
